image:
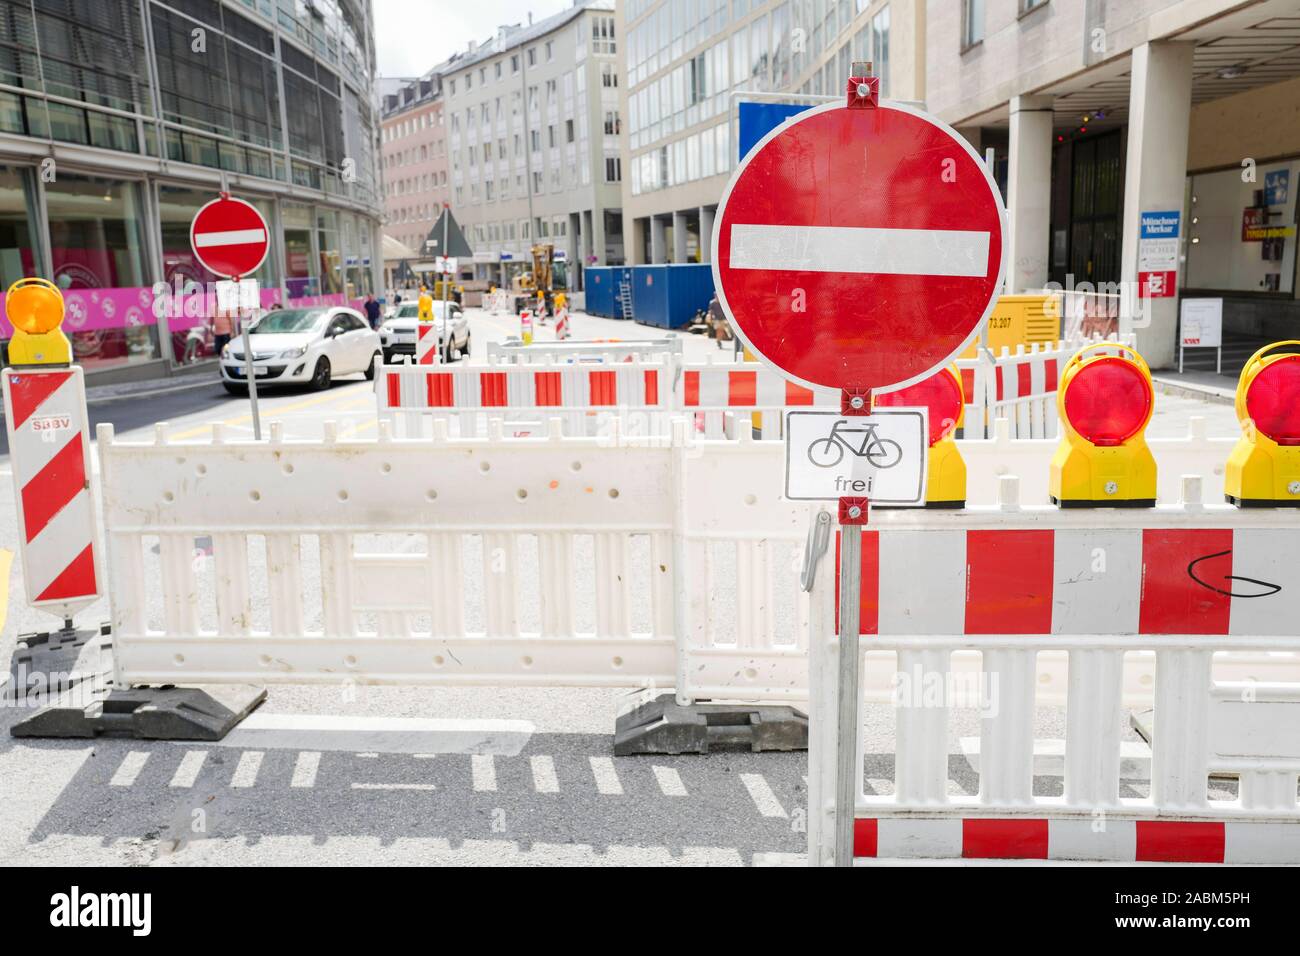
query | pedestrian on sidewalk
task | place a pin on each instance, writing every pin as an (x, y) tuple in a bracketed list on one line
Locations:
[(222, 329), (372, 311)]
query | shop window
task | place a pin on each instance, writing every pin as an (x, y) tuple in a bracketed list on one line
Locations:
[(1241, 236), (98, 259)]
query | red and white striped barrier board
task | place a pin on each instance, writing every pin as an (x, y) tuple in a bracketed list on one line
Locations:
[(747, 386), (1039, 838), (426, 343), (45, 414), (1182, 580)]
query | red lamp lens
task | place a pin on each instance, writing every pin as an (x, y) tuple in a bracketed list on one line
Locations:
[(1108, 401), (1273, 400), (940, 393)]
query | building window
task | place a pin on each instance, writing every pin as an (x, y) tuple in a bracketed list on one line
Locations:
[(972, 23), (1027, 5), (17, 209), (568, 131), (880, 48), (602, 36), (97, 242), (608, 75), (514, 65), (550, 51), (613, 169), (612, 125), (532, 56)]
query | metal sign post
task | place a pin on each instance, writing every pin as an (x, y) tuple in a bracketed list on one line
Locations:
[(446, 283), (250, 371)]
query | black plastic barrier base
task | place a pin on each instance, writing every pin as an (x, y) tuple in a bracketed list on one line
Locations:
[(663, 726), (66, 677)]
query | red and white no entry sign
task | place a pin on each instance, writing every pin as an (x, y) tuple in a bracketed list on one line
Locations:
[(229, 237), (859, 248)]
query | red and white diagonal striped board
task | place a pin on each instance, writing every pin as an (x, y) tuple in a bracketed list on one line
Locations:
[(1079, 581), (426, 343), (49, 446)]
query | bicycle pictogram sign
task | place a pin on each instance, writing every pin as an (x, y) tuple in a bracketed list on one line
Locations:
[(860, 440)]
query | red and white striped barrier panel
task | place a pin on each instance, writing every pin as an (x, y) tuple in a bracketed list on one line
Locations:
[(426, 344), (717, 394), (45, 414), (1181, 583), (531, 393)]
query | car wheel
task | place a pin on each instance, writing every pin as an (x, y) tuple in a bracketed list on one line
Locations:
[(370, 369), (388, 357), (465, 348), (320, 379), (234, 389)]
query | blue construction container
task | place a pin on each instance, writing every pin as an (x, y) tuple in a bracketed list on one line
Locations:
[(669, 295), (601, 287)]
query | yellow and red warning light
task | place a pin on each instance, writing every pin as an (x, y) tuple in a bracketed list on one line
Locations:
[(1105, 399), (1263, 470), (35, 309), (941, 393)]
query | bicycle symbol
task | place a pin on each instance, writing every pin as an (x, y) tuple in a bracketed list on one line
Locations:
[(829, 451)]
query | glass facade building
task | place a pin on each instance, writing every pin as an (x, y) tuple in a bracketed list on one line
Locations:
[(119, 119)]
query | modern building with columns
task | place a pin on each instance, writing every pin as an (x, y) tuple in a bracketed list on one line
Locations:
[(689, 61), (1102, 115)]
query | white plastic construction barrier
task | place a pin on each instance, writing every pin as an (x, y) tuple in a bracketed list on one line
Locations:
[(1181, 583), (542, 353), (499, 301), (45, 416), (560, 561)]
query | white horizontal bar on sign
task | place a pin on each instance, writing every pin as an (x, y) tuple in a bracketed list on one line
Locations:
[(926, 252), (231, 237)]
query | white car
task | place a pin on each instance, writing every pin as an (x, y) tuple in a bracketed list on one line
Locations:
[(302, 346), (398, 333)]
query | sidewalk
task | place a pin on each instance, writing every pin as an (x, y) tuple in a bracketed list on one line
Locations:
[(1202, 384), (102, 394)]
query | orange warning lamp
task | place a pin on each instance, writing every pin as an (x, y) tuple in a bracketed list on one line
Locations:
[(1105, 399), (1263, 470), (941, 393), (35, 309)]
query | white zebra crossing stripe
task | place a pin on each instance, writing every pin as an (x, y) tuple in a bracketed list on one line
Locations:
[(394, 786), (602, 768), (188, 770), (129, 768), (670, 781), (304, 770), (762, 795), (250, 762), (544, 779), (484, 772)]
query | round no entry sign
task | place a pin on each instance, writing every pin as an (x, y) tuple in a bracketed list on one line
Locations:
[(229, 237), (859, 248)]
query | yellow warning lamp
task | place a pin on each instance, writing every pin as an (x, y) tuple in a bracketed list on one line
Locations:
[(945, 470), (35, 309), (1264, 468), (1105, 399)]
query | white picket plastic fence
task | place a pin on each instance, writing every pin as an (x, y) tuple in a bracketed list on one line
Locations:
[(542, 503), (541, 353), (942, 594)]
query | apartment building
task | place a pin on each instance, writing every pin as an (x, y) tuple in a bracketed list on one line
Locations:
[(533, 124), (1106, 114), (414, 156), (690, 61)]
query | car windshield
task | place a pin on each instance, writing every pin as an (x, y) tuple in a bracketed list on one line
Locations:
[(412, 311), (289, 320)]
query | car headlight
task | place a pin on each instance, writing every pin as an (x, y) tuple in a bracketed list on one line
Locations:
[(225, 350), (293, 353)]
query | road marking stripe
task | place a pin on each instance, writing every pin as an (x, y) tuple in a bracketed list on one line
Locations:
[(189, 768), (304, 770), (670, 781), (229, 237), (762, 795), (922, 252), (602, 768), (250, 762), (393, 786), (544, 779), (484, 772), (129, 768)]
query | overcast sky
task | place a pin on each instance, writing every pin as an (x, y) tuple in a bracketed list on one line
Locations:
[(413, 35)]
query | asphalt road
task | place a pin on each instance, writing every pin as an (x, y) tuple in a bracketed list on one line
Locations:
[(323, 775)]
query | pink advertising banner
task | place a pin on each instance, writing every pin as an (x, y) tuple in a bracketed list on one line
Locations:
[(88, 310)]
